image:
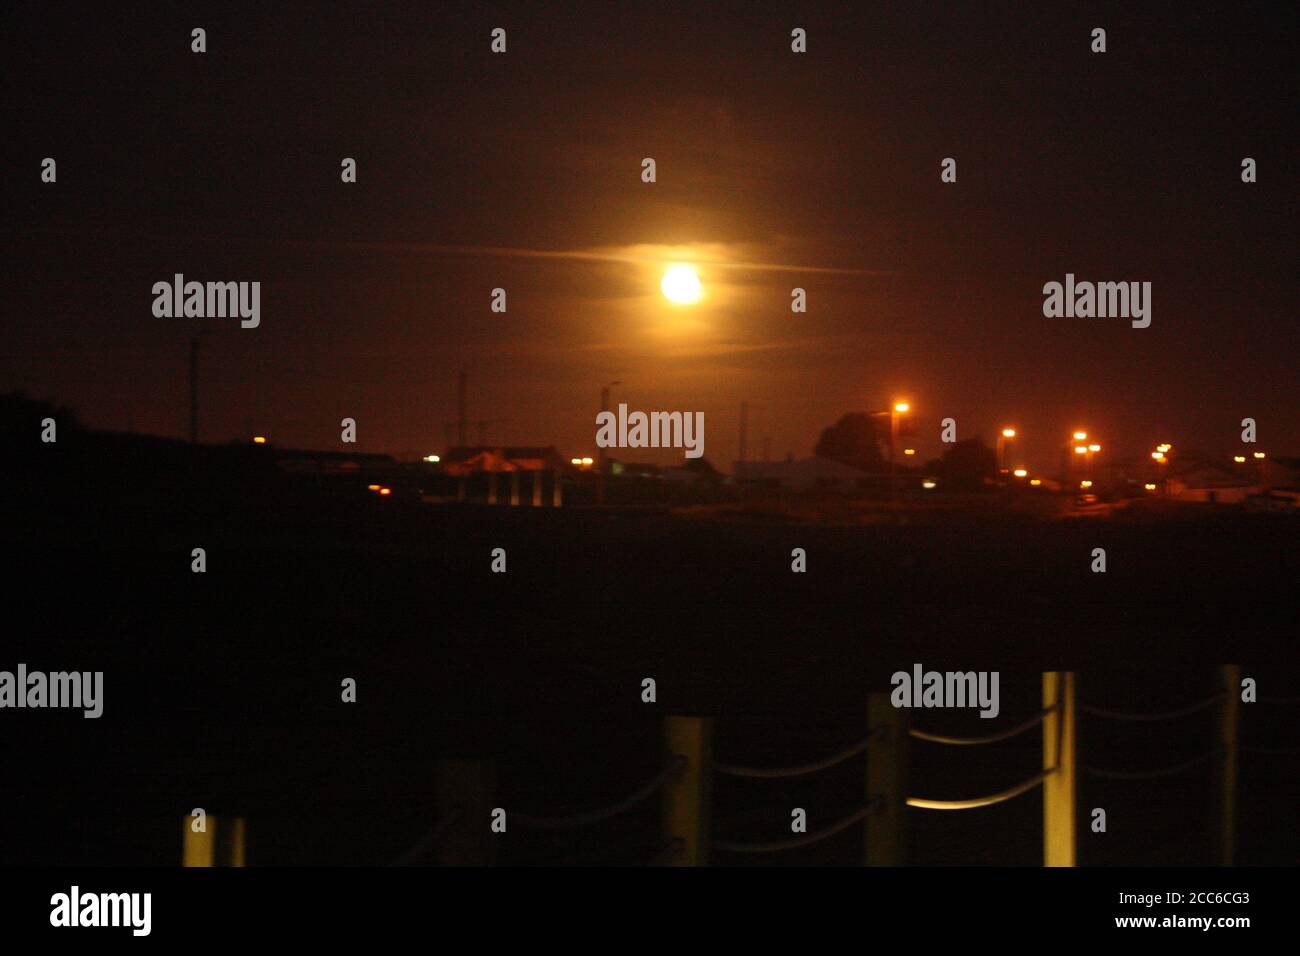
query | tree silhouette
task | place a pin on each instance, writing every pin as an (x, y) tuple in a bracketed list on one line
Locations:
[(965, 465), (853, 440)]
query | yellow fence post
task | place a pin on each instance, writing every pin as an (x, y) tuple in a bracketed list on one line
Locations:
[(201, 849), (198, 849), (885, 831), (466, 795), (1229, 742), (1059, 756), (688, 792)]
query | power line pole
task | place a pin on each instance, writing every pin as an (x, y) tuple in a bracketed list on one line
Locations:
[(602, 462), (744, 428), (461, 422), (194, 389)]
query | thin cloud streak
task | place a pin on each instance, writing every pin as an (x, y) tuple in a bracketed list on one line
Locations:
[(602, 255)]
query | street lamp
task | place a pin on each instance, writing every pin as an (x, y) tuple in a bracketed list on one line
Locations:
[(899, 409), (896, 410), (1004, 439)]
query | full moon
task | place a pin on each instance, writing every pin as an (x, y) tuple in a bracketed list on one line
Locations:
[(681, 285)]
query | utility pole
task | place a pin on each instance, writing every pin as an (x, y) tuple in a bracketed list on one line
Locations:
[(194, 388), (601, 462), (893, 439), (461, 422), (744, 428)]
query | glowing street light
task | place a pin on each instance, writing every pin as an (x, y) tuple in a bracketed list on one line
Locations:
[(1020, 472), (1081, 449), (433, 458), (1085, 483), (1094, 448), (1080, 436), (1149, 486), (1239, 459), (896, 411), (1008, 433), (259, 440), (909, 451), (1259, 454)]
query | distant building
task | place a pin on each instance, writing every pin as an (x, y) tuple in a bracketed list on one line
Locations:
[(473, 459), (1211, 482), (634, 469), (1280, 474)]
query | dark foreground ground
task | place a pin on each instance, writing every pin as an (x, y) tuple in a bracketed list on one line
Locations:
[(222, 689)]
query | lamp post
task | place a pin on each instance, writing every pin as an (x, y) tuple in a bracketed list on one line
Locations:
[(1161, 457), (1004, 439), (194, 385), (895, 413)]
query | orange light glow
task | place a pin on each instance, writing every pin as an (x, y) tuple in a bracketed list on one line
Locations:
[(1020, 472), (909, 451), (1149, 487), (1259, 454), (1080, 436), (372, 487), (1081, 449), (1094, 448), (681, 285), (901, 407), (1035, 481), (1239, 459), (259, 440), (1085, 483), (1008, 433), (385, 491)]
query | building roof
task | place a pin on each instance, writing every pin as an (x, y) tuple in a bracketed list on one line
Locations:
[(464, 458)]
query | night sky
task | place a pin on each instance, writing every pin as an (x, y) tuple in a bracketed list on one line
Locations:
[(775, 170)]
